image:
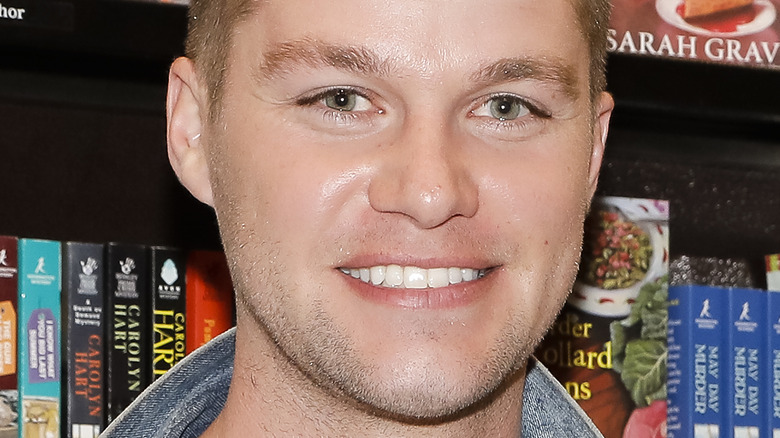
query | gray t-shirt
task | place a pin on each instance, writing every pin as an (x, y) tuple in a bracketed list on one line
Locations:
[(188, 398)]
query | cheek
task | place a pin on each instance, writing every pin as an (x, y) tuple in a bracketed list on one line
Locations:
[(544, 198), (545, 195), (282, 188)]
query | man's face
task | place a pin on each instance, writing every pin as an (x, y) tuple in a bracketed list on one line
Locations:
[(368, 148)]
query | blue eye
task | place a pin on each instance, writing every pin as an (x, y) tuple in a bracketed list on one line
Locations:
[(503, 107), (506, 108), (341, 100)]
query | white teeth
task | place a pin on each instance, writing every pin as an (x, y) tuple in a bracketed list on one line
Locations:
[(412, 277), (394, 276), (415, 278), (438, 277), (377, 274), (455, 276)]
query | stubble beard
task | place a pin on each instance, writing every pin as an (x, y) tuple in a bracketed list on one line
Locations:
[(325, 355)]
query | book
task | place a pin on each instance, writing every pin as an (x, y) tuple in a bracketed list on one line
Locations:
[(39, 337), (773, 272), (9, 394), (209, 303), (128, 325), (168, 342), (746, 338), (83, 275), (696, 364), (608, 345), (735, 32), (772, 363)]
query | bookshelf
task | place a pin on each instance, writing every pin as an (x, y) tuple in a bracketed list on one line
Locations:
[(82, 137)]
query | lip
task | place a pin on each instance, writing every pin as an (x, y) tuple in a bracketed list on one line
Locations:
[(440, 298)]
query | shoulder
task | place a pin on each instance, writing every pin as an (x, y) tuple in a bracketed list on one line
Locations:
[(548, 410), (186, 399)]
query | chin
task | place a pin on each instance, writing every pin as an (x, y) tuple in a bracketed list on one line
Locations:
[(433, 389), (434, 401)]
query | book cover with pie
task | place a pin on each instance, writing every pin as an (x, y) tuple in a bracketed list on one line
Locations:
[(210, 305), (737, 32), (608, 345)]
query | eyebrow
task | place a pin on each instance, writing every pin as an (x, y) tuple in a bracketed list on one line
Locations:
[(285, 58), (541, 69)]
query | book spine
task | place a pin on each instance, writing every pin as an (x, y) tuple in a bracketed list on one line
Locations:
[(773, 272), (83, 336), (128, 325), (679, 373), (210, 305), (39, 337), (168, 309), (746, 317), (9, 395), (709, 329), (695, 362), (773, 364)]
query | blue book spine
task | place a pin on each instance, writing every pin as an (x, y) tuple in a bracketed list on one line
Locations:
[(747, 336), (39, 337), (695, 363), (773, 364)]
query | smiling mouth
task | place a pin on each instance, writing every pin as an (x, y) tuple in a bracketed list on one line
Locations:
[(412, 277)]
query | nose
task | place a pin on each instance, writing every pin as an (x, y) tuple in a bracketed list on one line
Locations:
[(425, 175)]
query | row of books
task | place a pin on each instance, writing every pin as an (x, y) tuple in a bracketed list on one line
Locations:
[(649, 351), (724, 362), (85, 327)]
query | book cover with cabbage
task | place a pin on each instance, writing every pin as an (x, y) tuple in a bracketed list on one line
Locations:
[(608, 345)]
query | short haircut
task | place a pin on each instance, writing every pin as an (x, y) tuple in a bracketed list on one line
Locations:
[(212, 23), (209, 37), (593, 17)]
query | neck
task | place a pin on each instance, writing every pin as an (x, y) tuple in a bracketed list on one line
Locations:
[(270, 394)]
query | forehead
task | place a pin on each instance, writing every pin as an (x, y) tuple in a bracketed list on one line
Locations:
[(428, 36)]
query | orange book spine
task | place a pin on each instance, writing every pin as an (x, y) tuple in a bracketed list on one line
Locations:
[(210, 304)]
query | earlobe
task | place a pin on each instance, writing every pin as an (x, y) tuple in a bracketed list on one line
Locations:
[(604, 107), (186, 150)]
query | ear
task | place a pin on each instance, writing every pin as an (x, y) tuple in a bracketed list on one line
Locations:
[(604, 106), (185, 144)]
